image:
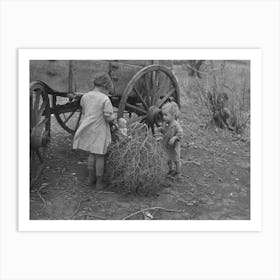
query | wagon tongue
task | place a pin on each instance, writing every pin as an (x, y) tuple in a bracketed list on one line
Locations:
[(66, 108)]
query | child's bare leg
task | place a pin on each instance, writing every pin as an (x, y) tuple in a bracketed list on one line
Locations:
[(91, 169), (178, 167), (99, 171), (170, 167), (99, 165)]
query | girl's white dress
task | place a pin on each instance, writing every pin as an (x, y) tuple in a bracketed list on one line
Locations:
[(93, 134)]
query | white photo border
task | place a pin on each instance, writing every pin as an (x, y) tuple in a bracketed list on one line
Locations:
[(255, 222)]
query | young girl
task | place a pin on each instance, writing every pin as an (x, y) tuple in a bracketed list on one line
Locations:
[(93, 134), (172, 135)]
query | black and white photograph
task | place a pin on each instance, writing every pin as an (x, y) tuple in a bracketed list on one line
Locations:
[(140, 139)]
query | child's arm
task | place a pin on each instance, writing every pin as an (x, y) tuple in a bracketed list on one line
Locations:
[(162, 127), (178, 136), (76, 96), (110, 118), (82, 105), (108, 111), (79, 93), (124, 131)]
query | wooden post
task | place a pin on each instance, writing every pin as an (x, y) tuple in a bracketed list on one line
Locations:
[(70, 77)]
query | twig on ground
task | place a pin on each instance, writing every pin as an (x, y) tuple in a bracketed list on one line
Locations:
[(239, 139), (42, 198), (77, 209), (43, 186), (191, 161), (203, 185), (151, 208)]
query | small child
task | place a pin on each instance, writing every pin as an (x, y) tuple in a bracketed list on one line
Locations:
[(122, 126), (172, 135), (93, 134)]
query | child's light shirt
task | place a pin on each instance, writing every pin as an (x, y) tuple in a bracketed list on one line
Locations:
[(93, 134), (170, 130)]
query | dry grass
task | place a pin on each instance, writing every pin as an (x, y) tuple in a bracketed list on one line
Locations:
[(136, 164), (221, 77)]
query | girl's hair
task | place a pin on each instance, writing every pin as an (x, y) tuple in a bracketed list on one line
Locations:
[(102, 79), (172, 108)]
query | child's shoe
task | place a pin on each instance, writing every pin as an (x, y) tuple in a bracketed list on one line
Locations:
[(176, 175), (170, 172)]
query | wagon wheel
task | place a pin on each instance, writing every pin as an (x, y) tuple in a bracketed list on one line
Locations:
[(40, 129), (68, 114), (147, 91)]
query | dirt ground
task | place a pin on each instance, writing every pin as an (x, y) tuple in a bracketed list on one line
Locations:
[(215, 182)]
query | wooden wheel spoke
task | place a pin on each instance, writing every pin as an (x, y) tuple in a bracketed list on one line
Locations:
[(37, 100), (156, 77), (42, 108), (69, 117), (155, 84), (147, 81), (168, 95), (148, 88), (136, 109), (153, 129), (78, 121), (141, 98), (163, 83), (141, 88), (41, 122), (155, 80)]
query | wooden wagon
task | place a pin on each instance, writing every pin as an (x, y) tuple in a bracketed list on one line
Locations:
[(140, 87)]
